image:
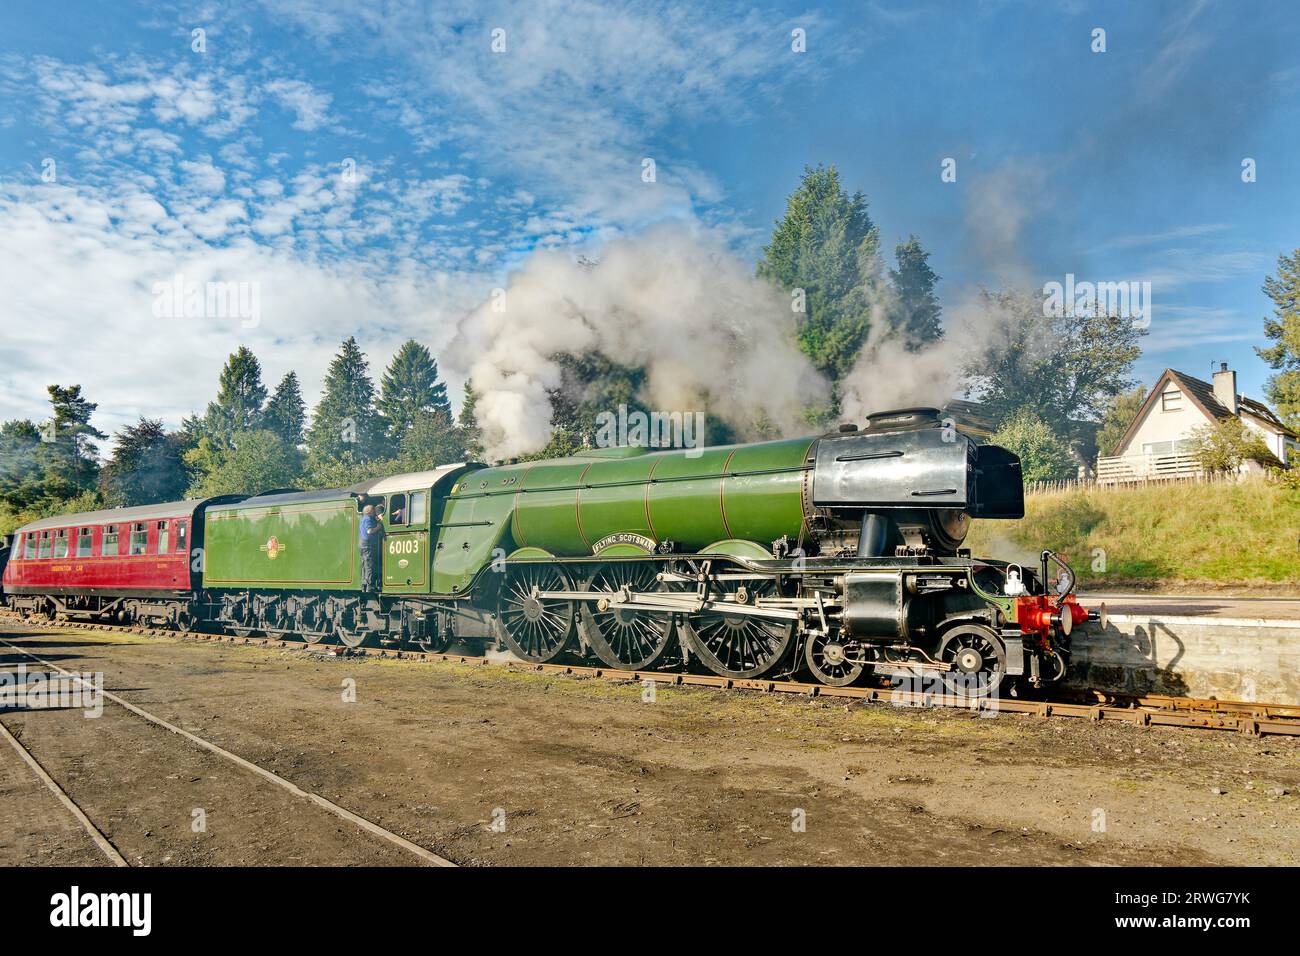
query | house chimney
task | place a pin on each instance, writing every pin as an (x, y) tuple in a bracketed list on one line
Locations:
[(1225, 387)]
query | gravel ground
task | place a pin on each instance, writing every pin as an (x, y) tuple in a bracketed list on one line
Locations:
[(491, 766)]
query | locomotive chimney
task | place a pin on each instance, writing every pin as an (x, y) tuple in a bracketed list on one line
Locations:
[(1225, 387)]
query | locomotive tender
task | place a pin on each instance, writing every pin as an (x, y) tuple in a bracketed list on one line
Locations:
[(839, 555)]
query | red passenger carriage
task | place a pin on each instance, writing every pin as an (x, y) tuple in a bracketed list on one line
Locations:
[(130, 563)]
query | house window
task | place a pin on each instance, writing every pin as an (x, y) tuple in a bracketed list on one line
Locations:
[(396, 510), (45, 545), (1171, 401), (1180, 447), (164, 537), (85, 536), (29, 546), (419, 507), (108, 545), (61, 543), (139, 538), (182, 530)]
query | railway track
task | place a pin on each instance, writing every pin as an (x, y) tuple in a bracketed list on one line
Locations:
[(105, 846), (1245, 717)]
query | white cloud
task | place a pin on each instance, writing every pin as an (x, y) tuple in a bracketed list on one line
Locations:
[(204, 177), (309, 104), (100, 330)]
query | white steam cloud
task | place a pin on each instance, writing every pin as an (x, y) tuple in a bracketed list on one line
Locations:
[(887, 375), (673, 300)]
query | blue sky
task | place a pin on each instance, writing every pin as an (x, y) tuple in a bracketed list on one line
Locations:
[(377, 169)]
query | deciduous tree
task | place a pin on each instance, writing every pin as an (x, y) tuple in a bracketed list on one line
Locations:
[(1044, 456), (1065, 368), (147, 467)]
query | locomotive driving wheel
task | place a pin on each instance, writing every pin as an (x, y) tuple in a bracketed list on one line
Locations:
[(828, 660), (625, 638), (351, 637), (536, 629), (976, 658), (738, 645)]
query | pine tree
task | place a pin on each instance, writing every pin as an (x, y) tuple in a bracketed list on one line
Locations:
[(345, 427), (146, 467), (827, 246), (67, 452), (1283, 389), (467, 422), (21, 474), (411, 390), (916, 317), (240, 398), (286, 412)]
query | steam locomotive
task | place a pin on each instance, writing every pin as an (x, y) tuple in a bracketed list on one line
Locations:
[(838, 556)]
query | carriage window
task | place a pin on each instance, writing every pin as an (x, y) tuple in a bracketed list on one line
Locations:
[(61, 544), (139, 538), (108, 546), (84, 539), (182, 528), (164, 537), (29, 545), (397, 509), (45, 545), (419, 511)]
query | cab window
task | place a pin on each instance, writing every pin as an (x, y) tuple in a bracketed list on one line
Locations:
[(29, 545), (419, 507), (396, 510), (139, 538), (84, 540), (45, 545), (61, 543), (164, 537), (182, 531), (108, 544)]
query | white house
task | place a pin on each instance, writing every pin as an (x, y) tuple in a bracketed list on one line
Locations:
[(1157, 443)]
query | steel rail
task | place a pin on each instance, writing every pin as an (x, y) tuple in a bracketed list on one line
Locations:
[(102, 842), (428, 856), (1246, 717)]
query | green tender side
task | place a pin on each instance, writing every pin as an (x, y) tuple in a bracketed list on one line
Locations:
[(567, 507), (284, 541)]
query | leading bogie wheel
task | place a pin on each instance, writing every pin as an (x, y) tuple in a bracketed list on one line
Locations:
[(536, 629), (976, 658), (829, 661)]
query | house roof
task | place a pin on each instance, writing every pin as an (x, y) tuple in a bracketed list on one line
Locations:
[(1202, 395)]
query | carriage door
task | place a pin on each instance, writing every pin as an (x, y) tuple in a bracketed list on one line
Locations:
[(406, 542)]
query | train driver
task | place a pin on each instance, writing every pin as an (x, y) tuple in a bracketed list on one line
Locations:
[(368, 544)]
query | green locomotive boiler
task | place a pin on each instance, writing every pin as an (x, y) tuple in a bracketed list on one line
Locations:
[(838, 555)]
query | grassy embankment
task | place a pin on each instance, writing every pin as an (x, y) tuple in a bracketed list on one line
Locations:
[(1177, 537)]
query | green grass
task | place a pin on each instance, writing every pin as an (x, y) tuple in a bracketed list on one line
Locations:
[(1175, 536)]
